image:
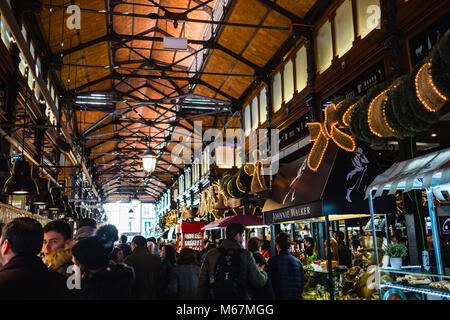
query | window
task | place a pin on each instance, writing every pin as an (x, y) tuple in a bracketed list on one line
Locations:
[(32, 50), (369, 15), (225, 157), (288, 83), (301, 69), (30, 79), (343, 23), (6, 35), (205, 160), (324, 47), (22, 65), (52, 93), (188, 179), (38, 67), (277, 94), (181, 184), (263, 106), (255, 117), (247, 125), (24, 33)]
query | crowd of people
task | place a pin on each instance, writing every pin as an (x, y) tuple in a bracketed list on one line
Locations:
[(52, 262)]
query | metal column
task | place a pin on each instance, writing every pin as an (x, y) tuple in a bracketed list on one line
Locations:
[(434, 231), (374, 234), (329, 256)]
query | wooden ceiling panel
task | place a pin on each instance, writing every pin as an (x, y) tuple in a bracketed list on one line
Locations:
[(235, 86), (299, 8), (249, 12), (266, 42)]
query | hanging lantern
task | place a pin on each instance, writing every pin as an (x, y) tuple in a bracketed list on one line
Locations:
[(149, 161), (21, 182)]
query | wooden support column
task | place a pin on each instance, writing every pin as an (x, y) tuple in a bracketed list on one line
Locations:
[(391, 40), (311, 99)]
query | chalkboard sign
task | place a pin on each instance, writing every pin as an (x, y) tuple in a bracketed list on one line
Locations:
[(421, 45), (294, 132), (361, 84)]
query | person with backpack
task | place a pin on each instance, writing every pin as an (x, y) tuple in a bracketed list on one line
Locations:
[(228, 272)]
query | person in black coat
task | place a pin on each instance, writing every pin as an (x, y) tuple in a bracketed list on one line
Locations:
[(168, 260), (23, 275), (344, 253), (266, 292), (285, 271), (101, 278)]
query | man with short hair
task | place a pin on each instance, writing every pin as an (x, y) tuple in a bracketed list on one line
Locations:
[(344, 253), (126, 249), (86, 227), (285, 271), (147, 270), (243, 270), (57, 246), (24, 275)]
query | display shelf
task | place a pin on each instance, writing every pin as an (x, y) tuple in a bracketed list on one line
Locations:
[(401, 283), (418, 289), (413, 273)]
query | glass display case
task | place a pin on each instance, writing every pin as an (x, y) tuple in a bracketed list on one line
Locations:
[(413, 284)]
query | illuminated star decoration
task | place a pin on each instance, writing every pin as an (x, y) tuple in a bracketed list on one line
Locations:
[(321, 133)]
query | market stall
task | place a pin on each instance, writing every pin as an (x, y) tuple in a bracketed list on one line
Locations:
[(431, 173), (334, 191), (190, 235), (247, 220)]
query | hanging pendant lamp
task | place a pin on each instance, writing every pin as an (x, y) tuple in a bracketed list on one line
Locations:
[(44, 197), (21, 182), (149, 159), (5, 170), (57, 203)]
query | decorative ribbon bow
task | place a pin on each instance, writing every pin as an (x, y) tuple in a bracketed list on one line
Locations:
[(321, 133), (254, 169)]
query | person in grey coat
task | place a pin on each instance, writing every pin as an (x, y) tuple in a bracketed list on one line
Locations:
[(248, 268), (183, 279)]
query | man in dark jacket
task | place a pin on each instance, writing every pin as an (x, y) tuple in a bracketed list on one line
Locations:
[(147, 270), (345, 255), (24, 275), (285, 271), (248, 268), (126, 249)]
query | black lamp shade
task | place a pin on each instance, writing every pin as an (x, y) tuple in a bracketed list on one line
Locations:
[(57, 203), (21, 183), (44, 197), (5, 170)]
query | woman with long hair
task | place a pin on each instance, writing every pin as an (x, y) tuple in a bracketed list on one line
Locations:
[(184, 277), (168, 260)]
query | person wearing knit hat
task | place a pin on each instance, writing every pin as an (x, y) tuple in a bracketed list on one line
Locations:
[(91, 253), (100, 277), (86, 227)]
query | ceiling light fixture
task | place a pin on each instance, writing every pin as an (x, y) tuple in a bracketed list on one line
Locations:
[(149, 159)]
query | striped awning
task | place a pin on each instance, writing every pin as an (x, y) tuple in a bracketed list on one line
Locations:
[(427, 171)]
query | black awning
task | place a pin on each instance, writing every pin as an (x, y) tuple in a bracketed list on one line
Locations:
[(339, 183)]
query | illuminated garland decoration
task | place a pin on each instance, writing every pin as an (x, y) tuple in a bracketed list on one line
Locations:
[(440, 66), (410, 105), (321, 133), (360, 122)]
